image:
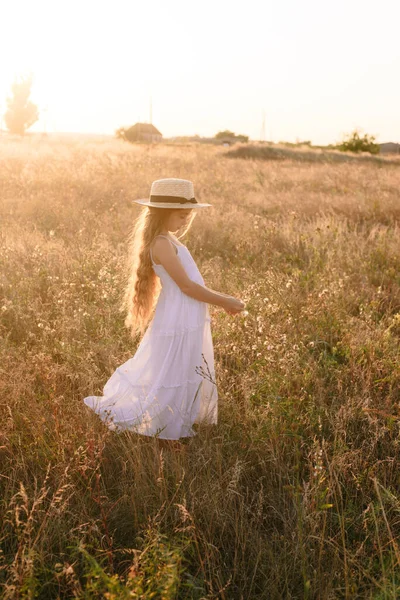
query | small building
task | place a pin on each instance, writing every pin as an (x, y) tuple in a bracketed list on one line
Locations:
[(390, 148), (227, 141), (142, 132)]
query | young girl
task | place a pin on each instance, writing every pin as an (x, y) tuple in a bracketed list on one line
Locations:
[(169, 384)]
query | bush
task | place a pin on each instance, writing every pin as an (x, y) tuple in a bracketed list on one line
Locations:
[(355, 143), (231, 136)]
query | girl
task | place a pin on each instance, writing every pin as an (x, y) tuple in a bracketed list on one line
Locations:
[(169, 384)]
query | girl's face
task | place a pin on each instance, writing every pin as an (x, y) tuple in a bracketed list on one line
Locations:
[(178, 219)]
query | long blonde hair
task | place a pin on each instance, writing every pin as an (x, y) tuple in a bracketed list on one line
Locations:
[(142, 284)]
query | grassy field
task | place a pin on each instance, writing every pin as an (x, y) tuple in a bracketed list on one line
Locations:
[(295, 493)]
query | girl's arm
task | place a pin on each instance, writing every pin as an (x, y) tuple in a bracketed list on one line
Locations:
[(165, 251), (204, 294)]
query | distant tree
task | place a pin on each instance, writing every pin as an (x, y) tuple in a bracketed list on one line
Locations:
[(231, 135), (224, 134), (20, 113), (120, 133), (354, 143)]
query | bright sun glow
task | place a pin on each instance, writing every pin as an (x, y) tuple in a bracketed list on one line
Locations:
[(317, 70)]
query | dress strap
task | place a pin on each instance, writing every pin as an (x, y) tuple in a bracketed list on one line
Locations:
[(168, 238), (165, 236)]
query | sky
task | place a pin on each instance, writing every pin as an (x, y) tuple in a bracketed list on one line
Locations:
[(308, 69)]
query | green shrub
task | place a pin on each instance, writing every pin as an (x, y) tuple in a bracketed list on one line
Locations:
[(354, 143)]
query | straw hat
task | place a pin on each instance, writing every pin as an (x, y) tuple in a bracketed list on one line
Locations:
[(172, 193)]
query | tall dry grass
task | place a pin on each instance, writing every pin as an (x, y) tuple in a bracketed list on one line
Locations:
[(295, 493)]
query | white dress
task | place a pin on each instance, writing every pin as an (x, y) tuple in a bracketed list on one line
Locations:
[(166, 386)]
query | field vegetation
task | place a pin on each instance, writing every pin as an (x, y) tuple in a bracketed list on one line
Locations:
[(295, 493)]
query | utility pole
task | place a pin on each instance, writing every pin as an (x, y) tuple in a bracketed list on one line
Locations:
[(262, 137), (151, 118)]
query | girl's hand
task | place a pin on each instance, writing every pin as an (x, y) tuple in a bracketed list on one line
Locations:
[(233, 305)]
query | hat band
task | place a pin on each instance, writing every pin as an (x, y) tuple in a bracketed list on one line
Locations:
[(172, 199)]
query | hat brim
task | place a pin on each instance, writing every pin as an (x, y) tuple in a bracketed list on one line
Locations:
[(146, 202)]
